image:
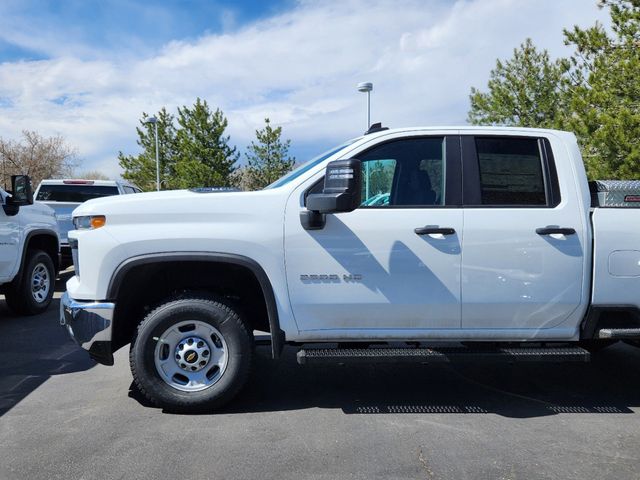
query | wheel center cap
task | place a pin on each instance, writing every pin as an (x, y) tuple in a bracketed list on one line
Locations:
[(191, 356)]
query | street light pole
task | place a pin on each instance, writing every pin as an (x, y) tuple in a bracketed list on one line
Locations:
[(154, 120), (367, 87)]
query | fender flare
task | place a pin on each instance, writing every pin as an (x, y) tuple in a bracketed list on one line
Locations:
[(277, 335), (25, 245)]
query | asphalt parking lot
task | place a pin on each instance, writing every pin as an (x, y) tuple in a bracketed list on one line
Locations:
[(64, 417)]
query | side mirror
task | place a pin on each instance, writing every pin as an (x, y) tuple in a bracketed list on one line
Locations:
[(21, 190), (342, 188)]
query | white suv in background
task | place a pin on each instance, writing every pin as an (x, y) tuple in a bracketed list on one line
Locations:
[(29, 249), (64, 195)]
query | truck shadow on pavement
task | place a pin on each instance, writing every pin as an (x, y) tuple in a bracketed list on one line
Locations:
[(32, 349), (606, 385)]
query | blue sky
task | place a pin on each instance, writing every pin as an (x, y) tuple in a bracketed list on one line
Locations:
[(87, 69), (117, 25)]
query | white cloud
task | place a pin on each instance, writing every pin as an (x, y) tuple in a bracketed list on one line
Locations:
[(299, 68)]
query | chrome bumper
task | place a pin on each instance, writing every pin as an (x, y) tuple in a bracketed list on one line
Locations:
[(89, 324)]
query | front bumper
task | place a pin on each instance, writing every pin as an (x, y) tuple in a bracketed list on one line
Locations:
[(89, 324)]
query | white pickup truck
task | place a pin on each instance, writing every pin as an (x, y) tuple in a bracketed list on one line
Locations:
[(486, 244), (29, 249)]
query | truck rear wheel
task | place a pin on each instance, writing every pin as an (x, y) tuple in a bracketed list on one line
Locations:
[(32, 291), (191, 355)]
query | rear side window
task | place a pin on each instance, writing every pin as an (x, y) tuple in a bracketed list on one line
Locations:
[(74, 193), (511, 171), (128, 190)]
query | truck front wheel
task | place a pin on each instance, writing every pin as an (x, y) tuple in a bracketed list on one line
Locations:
[(191, 354), (32, 291)]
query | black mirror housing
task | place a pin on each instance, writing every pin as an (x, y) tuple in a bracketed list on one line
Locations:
[(342, 188), (21, 190)]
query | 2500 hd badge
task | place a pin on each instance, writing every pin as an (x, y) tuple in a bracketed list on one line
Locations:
[(356, 277)]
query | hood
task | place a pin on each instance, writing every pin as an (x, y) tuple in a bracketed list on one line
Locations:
[(41, 208), (184, 206)]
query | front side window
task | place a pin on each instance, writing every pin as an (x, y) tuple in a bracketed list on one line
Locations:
[(404, 173), (510, 171)]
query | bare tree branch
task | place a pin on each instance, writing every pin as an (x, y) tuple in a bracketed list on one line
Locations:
[(37, 156)]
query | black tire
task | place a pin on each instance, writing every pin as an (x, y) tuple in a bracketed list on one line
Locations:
[(239, 343), (19, 295)]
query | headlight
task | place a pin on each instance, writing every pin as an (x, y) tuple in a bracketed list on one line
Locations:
[(89, 222)]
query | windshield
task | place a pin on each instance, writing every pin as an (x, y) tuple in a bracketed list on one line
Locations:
[(305, 167), (74, 193)]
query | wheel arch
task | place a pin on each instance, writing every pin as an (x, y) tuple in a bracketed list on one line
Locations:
[(43, 240), (214, 261)]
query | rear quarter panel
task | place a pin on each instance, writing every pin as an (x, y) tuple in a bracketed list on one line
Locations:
[(616, 272)]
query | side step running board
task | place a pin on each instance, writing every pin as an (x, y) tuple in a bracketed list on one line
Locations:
[(314, 356), (619, 333)]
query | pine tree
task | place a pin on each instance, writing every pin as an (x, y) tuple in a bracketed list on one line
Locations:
[(595, 92), (267, 159), (141, 169), (604, 83), (204, 157), (524, 91)]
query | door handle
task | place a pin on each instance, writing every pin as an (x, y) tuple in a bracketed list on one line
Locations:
[(434, 229), (552, 230)]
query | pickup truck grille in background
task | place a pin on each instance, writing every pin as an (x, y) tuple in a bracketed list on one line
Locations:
[(73, 243), (615, 193)]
